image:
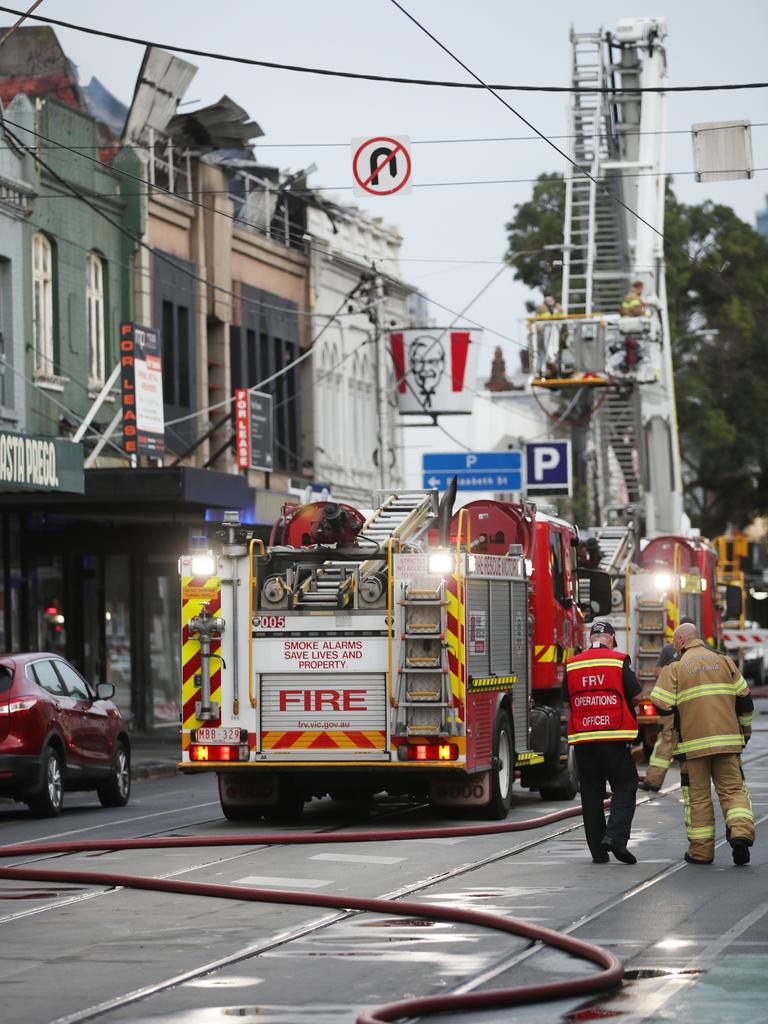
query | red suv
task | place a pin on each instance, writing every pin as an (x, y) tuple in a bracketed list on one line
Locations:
[(57, 733)]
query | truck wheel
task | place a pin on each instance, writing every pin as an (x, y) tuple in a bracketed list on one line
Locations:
[(564, 785), (503, 771)]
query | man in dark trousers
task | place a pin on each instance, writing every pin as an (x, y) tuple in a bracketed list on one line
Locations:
[(602, 691)]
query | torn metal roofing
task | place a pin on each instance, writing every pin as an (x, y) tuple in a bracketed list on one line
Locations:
[(222, 125)]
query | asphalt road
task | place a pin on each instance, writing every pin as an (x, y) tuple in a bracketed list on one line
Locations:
[(694, 940)]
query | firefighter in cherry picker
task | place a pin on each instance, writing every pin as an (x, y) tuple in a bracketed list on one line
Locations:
[(713, 707), (602, 690)]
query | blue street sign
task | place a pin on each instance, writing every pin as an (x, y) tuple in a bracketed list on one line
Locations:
[(473, 462), (490, 480), (548, 465)]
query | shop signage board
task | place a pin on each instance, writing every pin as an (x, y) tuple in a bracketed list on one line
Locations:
[(141, 379), (253, 429), (434, 369), (33, 463)]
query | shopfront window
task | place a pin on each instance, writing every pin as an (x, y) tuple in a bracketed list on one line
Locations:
[(51, 613), (117, 629), (164, 642)]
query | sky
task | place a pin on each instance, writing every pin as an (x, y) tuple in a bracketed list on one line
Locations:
[(454, 236)]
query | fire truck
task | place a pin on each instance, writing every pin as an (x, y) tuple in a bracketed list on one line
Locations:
[(388, 650), (668, 578)]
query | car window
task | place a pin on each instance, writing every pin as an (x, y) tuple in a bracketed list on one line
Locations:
[(6, 678), (76, 686), (46, 677)]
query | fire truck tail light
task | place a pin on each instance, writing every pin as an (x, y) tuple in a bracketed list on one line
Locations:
[(219, 752), (432, 752), (646, 708)]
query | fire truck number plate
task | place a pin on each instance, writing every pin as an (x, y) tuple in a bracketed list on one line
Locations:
[(224, 735)]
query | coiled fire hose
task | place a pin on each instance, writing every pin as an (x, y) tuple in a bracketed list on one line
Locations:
[(421, 1006)]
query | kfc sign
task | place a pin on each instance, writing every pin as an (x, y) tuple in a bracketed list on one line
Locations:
[(433, 367)]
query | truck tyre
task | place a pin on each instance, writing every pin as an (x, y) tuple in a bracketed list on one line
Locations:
[(49, 800), (503, 769), (564, 785)]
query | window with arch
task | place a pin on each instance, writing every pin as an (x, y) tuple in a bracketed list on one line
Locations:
[(94, 302), (42, 305)]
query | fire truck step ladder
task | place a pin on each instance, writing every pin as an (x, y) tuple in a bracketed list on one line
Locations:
[(423, 682), (328, 587), (651, 631), (616, 547)]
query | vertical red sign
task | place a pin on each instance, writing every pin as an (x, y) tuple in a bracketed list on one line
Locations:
[(242, 428), (128, 387)]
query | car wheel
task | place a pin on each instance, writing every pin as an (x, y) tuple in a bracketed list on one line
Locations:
[(47, 803), (117, 790), (503, 771)]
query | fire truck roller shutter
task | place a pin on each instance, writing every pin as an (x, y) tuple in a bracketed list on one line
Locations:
[(520, 655)]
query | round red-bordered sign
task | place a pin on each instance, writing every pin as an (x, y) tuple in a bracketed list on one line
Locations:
[(365, 178)]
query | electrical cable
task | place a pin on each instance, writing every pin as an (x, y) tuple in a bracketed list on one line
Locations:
[(24, 15), (459, 183), (359, 76), (428, 142), (490, 89)]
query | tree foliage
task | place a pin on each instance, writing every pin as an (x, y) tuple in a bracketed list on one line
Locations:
[(717, 285)]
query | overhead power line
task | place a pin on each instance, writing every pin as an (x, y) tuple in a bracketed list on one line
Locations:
[(490, 89), (359, 76)]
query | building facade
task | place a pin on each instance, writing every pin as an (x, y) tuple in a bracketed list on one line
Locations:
[(357, 430)]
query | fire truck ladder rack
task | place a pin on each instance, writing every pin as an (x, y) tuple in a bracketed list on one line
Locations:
[(651, 618), (399, 516), (423, 684), (616, 546)]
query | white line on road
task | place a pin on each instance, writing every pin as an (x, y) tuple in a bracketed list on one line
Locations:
[(356, 858), (273, 882)]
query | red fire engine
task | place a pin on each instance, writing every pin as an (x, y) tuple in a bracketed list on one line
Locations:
[(398, 650)]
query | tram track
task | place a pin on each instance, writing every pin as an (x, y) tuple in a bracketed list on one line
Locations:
[(347, 907)]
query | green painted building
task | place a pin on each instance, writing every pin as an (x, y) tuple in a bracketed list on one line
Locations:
[(78, 271)]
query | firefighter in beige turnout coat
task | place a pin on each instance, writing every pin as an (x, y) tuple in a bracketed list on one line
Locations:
[(713, 715)]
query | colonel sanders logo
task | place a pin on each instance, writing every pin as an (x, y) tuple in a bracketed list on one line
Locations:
[(426, 357)]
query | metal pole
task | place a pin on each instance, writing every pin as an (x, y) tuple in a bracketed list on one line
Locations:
[(381, 384), (97, 404)]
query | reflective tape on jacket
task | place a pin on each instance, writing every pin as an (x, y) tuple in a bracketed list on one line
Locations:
[(623, 735), (662, 696), (707, 690), (709, 743)]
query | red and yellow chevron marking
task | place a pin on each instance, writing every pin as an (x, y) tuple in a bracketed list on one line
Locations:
[(348, 739), (543, 653), (454, 637), (197, 591), (673, 616)]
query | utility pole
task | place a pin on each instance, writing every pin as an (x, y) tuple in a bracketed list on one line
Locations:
[(376, 301)]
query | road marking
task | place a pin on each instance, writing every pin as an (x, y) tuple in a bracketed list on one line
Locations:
[(357, 858), (274, 882)]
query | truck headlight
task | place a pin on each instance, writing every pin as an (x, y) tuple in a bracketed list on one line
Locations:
[(203, 565), (440, 563), (662, 581)]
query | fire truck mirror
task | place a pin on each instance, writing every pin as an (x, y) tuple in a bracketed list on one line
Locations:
[(594, 593), (733, 602)]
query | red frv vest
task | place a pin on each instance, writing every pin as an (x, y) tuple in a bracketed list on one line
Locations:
[(599, 709)]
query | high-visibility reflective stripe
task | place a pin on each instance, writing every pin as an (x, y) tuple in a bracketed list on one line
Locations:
[(596, 663), (738, 812), (706, 690), (741, 686), (701, 832), (725, 740), (657, 693), (659, 762), (608, 734), (745, 719)]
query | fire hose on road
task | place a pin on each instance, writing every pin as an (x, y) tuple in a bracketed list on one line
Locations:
[(608, 977)]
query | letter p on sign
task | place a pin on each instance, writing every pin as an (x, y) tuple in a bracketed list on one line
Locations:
[(548, 465)]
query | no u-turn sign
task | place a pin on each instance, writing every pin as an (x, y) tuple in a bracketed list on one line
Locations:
[(381, 166)]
